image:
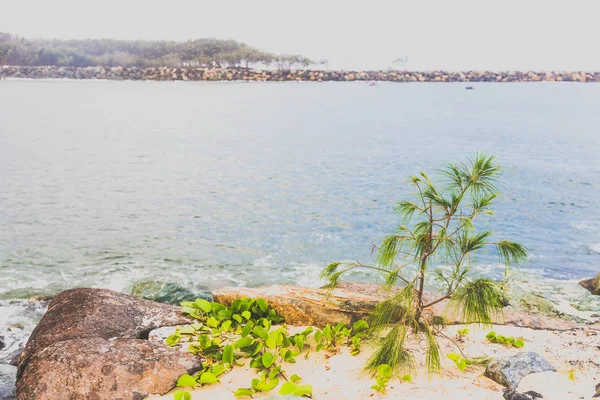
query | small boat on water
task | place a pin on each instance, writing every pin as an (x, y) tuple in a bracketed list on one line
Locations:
[(469, 88), (372, 84)]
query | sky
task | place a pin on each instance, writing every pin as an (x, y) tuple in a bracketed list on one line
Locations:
[(368, 34)]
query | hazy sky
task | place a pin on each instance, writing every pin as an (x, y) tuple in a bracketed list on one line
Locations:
[(450, 34)]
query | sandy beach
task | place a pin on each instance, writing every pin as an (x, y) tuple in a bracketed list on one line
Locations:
[(575, 354)]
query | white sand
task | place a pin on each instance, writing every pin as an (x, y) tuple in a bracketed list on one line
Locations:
[(339, 376)]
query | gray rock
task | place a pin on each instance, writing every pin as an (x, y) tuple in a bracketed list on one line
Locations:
[(509, 371), (521, 299), (597, 391), (514, 395), (8, 376), (167, 292)]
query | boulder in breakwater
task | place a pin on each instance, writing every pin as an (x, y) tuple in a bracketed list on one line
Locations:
[(252, 75)]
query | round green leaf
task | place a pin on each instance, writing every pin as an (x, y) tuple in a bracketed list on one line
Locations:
[(384, 370), (288, 388), (243, 392), (181, 395), (262, 303), (227, 357), (244, 342), (186, 381), (359, 326), (208, 378), (226, 325), (237, 318), (203, 305), (268, 359), (260, 332), (303, 390)]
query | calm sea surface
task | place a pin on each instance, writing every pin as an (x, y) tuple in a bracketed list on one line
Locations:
[(210, 184)]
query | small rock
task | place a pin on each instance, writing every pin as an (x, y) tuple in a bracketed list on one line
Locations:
[(597, 391), (17, 326), (166, 292), (8, 376), (509, 371), (593, 285), (521, 299), (514, 395)]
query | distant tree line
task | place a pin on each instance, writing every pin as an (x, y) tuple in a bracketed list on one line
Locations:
[(15, 50)]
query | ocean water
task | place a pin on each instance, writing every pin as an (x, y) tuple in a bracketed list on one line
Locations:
[(103, 184)]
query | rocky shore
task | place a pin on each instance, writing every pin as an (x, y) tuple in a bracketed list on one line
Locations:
[(243, 74), (99, 344)]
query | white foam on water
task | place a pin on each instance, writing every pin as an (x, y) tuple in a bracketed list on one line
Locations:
[(589, 226), (18, 318), (307, 274), (595, 247)]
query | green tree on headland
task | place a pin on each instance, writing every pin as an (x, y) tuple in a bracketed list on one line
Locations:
[(15, 50), (437, 239)]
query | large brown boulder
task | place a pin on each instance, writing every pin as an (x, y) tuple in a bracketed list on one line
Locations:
[(100, 369), (304, 305), (98, 313), (79, 320), (593, 285), (350, 302)]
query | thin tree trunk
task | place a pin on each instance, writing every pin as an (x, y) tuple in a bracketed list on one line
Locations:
[(423, 265)]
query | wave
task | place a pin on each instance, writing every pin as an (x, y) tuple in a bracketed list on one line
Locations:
[(594, 248)]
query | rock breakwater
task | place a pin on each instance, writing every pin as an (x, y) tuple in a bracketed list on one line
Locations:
[(242, 74)]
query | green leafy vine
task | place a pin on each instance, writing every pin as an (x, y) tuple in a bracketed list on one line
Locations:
[(249, 329)]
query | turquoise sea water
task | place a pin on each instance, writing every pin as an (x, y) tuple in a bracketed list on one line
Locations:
[(211, 184)]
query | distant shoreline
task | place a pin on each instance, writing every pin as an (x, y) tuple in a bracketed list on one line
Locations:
[(242, 74)]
